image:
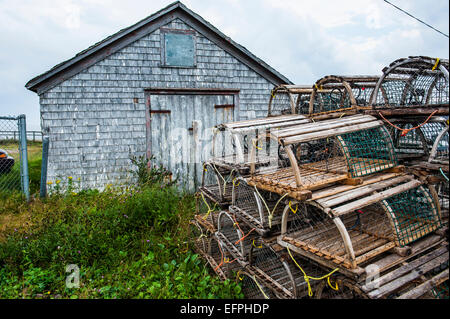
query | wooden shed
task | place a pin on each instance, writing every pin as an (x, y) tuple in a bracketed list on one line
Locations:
[(157, 88)]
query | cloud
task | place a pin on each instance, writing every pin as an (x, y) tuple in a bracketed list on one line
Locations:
[(304, 40)]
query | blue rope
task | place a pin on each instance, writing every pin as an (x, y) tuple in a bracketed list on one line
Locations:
[(440, 169)]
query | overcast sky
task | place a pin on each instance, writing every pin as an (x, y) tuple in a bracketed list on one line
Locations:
[(304, 40)]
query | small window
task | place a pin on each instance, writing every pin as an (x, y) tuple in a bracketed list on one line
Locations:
[(178, 48)]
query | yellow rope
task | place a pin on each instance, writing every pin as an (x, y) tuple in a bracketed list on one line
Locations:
[(296, 208), (307, 278), (224, 180), (209, 208), (253, 243), (256, 146), (262, 291), (436, 64), (271, 213)]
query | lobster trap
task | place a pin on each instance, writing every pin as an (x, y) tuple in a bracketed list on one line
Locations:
[(314, 155), (212, 250), (413, 141), (349, 225), (333, 94), (236, 140), (216, 184), (413, 83), (236, 237), (288, 275), (258, 209), (253, 287), (439, 151), (289, 99)]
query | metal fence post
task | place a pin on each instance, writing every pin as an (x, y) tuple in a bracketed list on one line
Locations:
[(45, 144), (23, 155)]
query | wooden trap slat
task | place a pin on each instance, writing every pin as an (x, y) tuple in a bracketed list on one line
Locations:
[(404, 275)]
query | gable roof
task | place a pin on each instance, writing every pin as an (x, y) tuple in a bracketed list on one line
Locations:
[(124, 37)]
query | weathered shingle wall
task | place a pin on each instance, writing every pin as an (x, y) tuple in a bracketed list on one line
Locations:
[(94, 124)]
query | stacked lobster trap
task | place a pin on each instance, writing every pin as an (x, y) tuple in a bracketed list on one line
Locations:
[(340, 192)]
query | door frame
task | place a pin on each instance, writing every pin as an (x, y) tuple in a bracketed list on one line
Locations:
[(148, 92)]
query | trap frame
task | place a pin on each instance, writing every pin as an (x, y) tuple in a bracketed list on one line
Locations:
[(289, 99), (253, 287), (439, 151), (413, 139), (413, 86), (211, 249), (258, 209), (337, 94), (349, 225), (236, 236), (314, 155)]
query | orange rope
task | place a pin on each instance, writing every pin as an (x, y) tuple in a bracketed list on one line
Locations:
[(242, 238), (406, 130), (222, 260)]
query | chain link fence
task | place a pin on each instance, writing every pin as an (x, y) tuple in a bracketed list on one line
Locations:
[(13, 155)]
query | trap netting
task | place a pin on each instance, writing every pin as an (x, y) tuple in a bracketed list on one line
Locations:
[(413, 81), (216, 183), (439, 151), (258, 209), (412, 143), (211, 249), (288, 275), (313, 155), (312, 230), (233, 142), (253, 287), (414, 214), (350, 225), (341, 93), (368, 151), (289, 99), (235, 235)]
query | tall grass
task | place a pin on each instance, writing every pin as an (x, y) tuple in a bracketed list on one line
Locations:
[(127, 242)]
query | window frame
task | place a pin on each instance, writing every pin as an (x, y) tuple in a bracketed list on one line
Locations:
[(165, 31)]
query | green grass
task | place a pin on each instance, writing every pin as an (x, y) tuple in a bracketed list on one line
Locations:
[(128, 242)]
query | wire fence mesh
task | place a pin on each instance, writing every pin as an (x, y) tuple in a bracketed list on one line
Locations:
[(10, 179), (13, 155)]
